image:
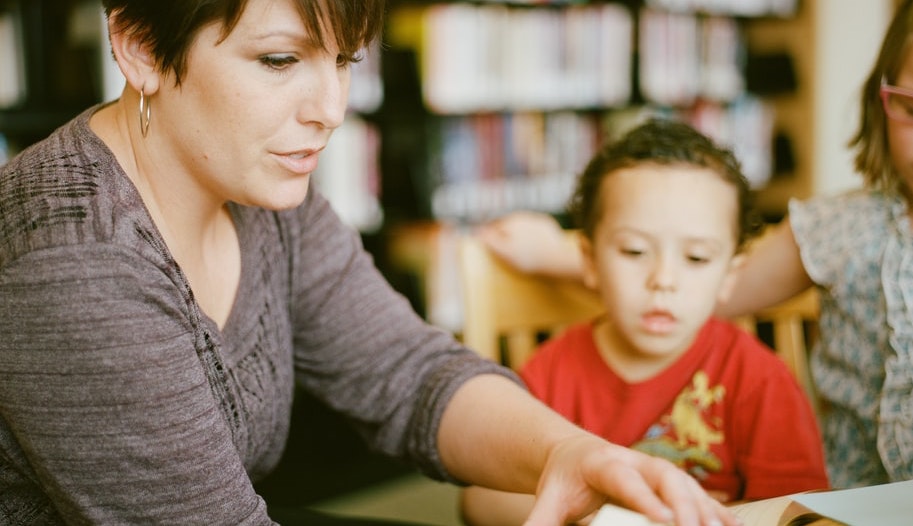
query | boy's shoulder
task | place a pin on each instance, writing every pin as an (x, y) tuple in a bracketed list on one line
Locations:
[(733, 342)]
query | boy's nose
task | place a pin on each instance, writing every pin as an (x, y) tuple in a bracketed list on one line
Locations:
[(663, 277)]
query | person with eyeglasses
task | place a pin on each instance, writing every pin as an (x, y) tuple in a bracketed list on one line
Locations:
[(856, 248)]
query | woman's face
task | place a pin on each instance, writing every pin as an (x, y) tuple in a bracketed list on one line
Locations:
[(253, 111)]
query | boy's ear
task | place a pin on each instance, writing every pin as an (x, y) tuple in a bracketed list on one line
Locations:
[(735, 266), (590, 276), (134, 57)]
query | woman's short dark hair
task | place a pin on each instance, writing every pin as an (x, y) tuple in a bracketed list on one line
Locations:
[(169, 27), (663, 142)]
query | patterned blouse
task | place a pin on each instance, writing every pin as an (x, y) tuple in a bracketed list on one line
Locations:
[(858, 248)]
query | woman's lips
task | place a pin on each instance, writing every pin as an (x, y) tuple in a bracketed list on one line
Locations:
[(299, 163)]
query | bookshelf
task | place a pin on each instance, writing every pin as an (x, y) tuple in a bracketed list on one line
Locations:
[(832, 44), (803, 61), (49, 66), (414, 155), (507, 118)]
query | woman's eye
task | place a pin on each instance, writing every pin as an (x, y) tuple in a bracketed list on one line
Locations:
[(633, 252), (278, 62), (693, 258), (344, 60)]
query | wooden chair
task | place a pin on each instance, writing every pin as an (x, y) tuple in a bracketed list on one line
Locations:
[(507, 313)]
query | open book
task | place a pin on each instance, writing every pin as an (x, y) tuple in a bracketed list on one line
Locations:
[(881, 505)]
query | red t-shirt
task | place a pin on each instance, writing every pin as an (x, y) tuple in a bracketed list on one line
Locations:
[(728, 411)]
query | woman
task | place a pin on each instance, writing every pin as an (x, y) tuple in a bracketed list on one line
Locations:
[(166, 277)]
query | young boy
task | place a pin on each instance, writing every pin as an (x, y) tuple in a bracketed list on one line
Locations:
[(664, 213)]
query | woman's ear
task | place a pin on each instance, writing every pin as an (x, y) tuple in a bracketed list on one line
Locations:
[(732, 275), (590, 275), (133, 56)]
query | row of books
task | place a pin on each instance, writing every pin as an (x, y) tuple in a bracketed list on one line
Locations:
[(684, 58), (12, 61), (5, 153), (348, 174), (512, 58), (782, 8), (727, 7), (579, 56), (486, 165)]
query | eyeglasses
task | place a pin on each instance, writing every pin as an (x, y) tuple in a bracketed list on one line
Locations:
[(897, 102)]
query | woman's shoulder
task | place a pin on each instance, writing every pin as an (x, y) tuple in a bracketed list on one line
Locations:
[(67, 190)]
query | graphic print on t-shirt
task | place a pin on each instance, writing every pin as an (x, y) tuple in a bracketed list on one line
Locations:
[(684, 435)]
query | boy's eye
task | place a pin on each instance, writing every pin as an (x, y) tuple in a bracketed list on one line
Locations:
[(630, 251), (694, 258), (278, 62)]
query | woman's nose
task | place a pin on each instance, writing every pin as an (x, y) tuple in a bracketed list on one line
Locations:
[(327, 96)]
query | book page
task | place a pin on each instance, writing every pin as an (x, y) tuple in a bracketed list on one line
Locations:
[(612, 515), (766, 512), (884, 504), (776, 511)]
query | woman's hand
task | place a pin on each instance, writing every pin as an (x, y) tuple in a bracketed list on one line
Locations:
[(580, 470)]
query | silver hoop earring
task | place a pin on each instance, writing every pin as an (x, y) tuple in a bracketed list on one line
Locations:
[(145, 112)]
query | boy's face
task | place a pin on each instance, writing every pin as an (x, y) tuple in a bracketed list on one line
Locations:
[(661, 257)]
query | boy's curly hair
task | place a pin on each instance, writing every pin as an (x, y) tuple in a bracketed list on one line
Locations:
[(665, 142)]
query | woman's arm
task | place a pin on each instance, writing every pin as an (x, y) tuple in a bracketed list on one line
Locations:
[(489, 507), (495, 434)]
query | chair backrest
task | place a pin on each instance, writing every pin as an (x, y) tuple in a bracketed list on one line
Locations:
[(508, 312), (793, 327)]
